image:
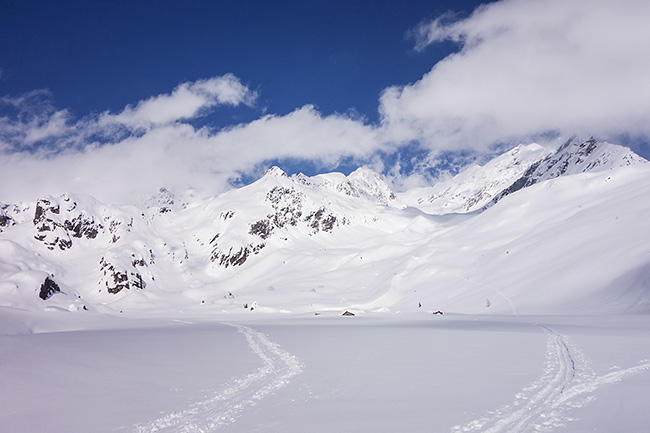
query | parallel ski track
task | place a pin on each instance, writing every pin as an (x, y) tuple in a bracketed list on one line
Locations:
[(567, 383), (222, 409)]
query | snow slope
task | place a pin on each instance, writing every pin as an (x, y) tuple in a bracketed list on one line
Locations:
[(572, 238), (475, 186), (225, 314), (523, 166), (572, 244), (413, 372)]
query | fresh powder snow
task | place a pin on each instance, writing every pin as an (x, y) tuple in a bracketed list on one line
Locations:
[(511, 298)]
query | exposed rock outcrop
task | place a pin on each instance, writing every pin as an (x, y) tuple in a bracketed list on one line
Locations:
[(56, 227), (573, 157), (116, 278), (48, 288), (5, 219)]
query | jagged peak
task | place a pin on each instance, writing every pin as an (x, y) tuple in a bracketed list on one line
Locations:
[(163, 200), (575, 155), (521, 166), (373, 185), (579, 154), (577, 143), (476, 185), (275, 171)]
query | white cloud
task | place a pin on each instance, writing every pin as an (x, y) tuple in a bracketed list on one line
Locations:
[(303, 133), (187, 101), (118, 157), (54, 125), (36, 120), (526, 67)]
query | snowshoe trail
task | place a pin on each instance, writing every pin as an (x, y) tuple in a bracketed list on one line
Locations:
[(567, 383), (221, 410)]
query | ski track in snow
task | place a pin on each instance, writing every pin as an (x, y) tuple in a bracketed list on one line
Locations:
[(221, 410), (567, 383)]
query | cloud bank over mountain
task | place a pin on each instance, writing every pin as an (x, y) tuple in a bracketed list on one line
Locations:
[(523, 69)]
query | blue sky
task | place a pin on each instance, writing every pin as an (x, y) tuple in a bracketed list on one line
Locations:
[(97, 56), (138, 95)]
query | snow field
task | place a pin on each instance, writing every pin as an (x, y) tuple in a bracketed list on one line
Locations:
[(382, 373), (545, 328), (222, 409)]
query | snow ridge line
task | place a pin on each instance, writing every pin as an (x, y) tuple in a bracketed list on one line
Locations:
[(567, 383), (278, 367)]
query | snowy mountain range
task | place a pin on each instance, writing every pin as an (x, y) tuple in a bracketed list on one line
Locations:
[(523, 166), (535, 229)]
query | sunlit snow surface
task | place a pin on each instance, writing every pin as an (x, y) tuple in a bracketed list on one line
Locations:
[(545, 327), (418, 372)]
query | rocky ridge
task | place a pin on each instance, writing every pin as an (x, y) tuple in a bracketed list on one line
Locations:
[(479, 187), (171, 243), (573, 157), (131, 247)]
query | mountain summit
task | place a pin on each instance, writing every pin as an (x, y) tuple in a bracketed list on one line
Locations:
[(523, 166), (535, 229)]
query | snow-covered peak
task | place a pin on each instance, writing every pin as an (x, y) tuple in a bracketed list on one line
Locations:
[(365, 173), (330, 241), (277, 209), (578, 155), (575, 156), (163, 201), (362, 183), (275, 171), (476, 185), (371, 184), (479, 186)]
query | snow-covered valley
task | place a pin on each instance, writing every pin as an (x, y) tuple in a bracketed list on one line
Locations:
[(414, 372), (225, 313)]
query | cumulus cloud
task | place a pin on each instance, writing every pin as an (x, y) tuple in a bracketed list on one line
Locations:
[(187, 101), (303, 133), (527, 67), (152, 144), (523, 68), (36, 123)]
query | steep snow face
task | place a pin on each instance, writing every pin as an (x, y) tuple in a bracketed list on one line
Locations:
[(573, 244), (523, 166), (372, 185), (578, 155), (477, 185), (362, 183), (574, 156)]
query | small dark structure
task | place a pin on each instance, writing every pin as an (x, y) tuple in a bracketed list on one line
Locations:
[(347, 313), (437, 312)]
